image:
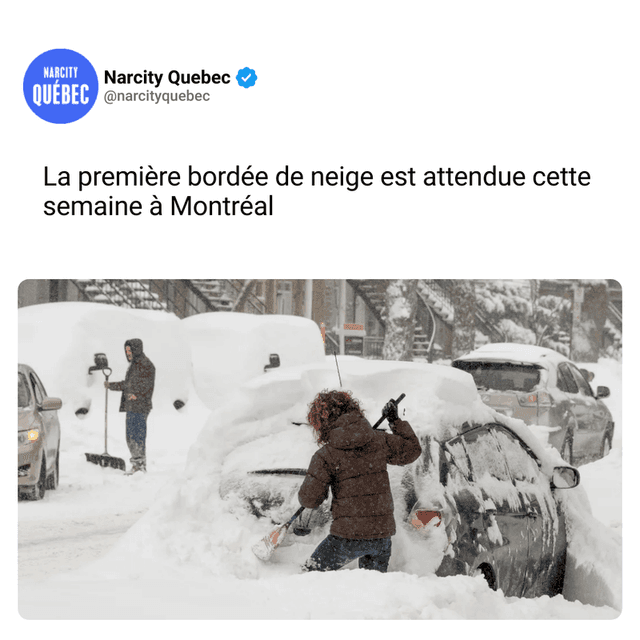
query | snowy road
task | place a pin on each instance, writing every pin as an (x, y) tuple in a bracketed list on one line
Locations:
[(52, 547)]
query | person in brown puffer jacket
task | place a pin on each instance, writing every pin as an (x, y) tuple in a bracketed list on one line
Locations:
[(353, 463)]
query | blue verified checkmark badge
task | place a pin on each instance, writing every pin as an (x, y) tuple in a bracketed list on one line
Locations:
[(246, 77)]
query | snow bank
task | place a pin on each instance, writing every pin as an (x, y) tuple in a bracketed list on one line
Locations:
[(228, 349), (343, 595), (59, 341)]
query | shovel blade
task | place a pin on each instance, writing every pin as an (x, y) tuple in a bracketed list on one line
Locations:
[(263, 549), (105, 460)]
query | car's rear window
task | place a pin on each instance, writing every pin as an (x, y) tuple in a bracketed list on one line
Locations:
[(23, 391), (501, 376)]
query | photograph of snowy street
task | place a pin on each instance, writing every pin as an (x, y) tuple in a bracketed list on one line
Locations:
[(506, 503)]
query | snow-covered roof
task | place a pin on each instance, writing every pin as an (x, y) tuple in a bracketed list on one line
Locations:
[(516, 353)]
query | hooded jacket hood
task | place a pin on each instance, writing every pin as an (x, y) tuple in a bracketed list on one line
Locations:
[(352, 431), (136, 347)]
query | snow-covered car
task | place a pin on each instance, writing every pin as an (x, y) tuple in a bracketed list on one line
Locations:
[(38, 436), (498, 506), (227, 349), (481, 499), (543, 387)]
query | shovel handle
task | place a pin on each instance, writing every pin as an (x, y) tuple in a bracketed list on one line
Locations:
[(294, 516), (384, 417)]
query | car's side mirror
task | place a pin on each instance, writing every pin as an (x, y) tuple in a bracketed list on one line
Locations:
[(51, 404), (565, 478), (274, 362), (603, 392), (100, 362)]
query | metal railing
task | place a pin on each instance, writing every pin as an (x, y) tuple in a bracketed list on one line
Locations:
[(373, 347), (243, 294), (121, 293)]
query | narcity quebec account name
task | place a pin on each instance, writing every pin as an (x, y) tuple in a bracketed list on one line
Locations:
[(174, 77)]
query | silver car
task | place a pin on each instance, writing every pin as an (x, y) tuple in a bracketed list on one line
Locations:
[(38, 436), (543, 387)]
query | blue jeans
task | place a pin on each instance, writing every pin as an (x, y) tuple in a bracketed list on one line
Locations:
[(136, 438), (334, 552)]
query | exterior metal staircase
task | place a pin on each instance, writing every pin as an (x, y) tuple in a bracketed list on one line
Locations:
[(134, 294), (197, 295), (432, 303), (435, 304), (216, 293), (230, 295)]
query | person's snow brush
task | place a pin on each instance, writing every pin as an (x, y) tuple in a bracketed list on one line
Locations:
[(263, 550), (104, 459)]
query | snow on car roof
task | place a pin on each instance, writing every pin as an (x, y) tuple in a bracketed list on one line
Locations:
[(512, 352), (439, 399)]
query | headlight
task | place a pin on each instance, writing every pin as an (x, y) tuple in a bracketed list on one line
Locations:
[(27, 437)]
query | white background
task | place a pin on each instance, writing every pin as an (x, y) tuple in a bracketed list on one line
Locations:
[(366, 85)]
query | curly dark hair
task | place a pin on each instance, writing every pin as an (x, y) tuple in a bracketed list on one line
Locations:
[(327, 407)]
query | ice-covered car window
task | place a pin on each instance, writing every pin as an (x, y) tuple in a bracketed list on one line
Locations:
[(566, 381), (502, 376), (485, 457), (522, 466), (23, 391), (37, 389), (457, 452), (583, 385)]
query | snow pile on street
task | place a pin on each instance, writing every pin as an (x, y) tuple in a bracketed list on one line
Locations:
[(190, 555)]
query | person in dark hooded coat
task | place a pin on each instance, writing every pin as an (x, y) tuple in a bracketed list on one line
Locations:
[(353, 464), (137, 390)]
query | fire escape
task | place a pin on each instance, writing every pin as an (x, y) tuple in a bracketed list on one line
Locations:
[(182, 297), (435, 311), (434, 307)]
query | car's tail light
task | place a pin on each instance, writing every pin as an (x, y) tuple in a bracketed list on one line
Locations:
[(533, 399), (421, 518)]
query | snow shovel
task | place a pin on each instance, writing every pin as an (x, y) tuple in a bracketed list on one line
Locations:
[(104, 459), (263, 549)]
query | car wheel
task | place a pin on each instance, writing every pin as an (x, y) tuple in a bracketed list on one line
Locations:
[(556, 582), (39, 489), (486, 572), (54, 476)]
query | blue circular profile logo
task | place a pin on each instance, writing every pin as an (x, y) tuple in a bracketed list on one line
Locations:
[(60, 86)]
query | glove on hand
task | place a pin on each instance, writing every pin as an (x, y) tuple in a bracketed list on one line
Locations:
[(390, 411)]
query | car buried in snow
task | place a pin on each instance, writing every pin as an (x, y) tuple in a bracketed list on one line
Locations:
[(499, 509), (484, 498), (541, 386), (38, 436)]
